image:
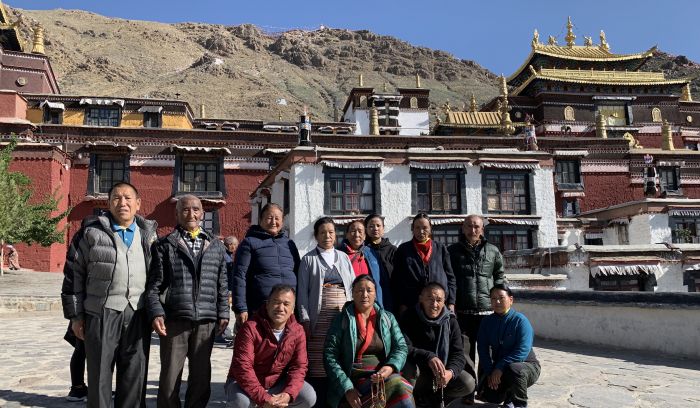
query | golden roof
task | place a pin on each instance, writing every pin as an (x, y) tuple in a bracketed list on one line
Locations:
[(474, 119), (583, 76)]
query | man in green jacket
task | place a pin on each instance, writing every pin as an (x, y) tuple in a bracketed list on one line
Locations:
[(477, 265)]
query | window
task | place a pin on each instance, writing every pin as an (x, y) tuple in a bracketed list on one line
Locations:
[(351, 192), (437, 193), (151, 119), (199, 177), (618, 283), (108, 172), (507, 239), (102, 116), (669, 179), (506, 193), (569, 207), (568, 173), (447, 234), (286, 198), (691, 277), (105, 170), (210, 221), (53, 116), (685, 230)]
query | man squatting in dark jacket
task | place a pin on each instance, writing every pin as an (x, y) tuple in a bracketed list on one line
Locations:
[(506, 356), (187, 304), (269, 358), (435, 347), (103, 295)]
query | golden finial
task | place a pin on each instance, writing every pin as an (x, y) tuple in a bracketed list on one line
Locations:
[(202, 111), (504, 86), (386, 87), (535, 39), (570, 37), (446, 107), (373, 121), (686, 96), (38, 45), (552, 40), (603, 42), (472, 104), (588, 41), (600, 129), (666, 136), (360, 81), (417, 80)]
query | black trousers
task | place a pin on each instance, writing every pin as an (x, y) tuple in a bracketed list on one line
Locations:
[(460, 386), (194, 341), (469, 324), (120, 339), (515, 380)]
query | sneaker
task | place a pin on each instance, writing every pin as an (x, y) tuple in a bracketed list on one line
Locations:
[(77, 393)]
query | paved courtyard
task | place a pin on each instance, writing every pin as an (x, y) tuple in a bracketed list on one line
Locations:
[(34, 371)]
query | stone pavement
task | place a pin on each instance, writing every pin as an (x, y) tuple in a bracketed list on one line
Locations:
[(34, 371)]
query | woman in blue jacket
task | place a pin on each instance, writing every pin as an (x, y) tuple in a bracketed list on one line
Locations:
[(365, 261), (265, 258)]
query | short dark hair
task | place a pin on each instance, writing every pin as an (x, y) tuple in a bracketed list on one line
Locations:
[(503, 287), (269, 206), (421, 215), (365, 277), (371, 217), (434, 285), (281, 288), (322, 221), (122, 184)]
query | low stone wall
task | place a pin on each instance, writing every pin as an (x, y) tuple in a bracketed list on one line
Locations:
[(667, 323), (14, 304)]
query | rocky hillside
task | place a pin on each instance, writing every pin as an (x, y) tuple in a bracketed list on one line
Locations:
[(240, 71)]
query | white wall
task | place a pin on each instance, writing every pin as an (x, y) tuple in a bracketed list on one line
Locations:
[(414, 123), (572, 237), (669, 330), (610, 236), (306, 189), (472, 183), (545, 207), (396, 202), (659, 229), (639, 231), (361, 119)]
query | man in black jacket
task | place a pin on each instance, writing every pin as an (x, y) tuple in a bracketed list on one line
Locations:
[(435, 348), (188, 304), (477, 265)]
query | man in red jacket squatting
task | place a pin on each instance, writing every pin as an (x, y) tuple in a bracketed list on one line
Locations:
[(267, 346)]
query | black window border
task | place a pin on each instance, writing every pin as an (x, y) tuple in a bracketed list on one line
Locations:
[(461, 190), (95, 158), (530, 230), (89, 107), (529, 184), (159, 119), (376, 185), (180, 160)]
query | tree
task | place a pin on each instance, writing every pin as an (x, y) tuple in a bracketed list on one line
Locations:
[(20, 220)]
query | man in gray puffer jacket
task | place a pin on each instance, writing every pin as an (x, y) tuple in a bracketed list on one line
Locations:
[(187, 304), (103, 295)]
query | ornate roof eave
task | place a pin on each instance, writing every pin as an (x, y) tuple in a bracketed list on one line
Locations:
[(535, 75), (613, 58)]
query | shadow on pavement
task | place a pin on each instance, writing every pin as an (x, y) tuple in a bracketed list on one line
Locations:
[(36, 400), (634, 356)]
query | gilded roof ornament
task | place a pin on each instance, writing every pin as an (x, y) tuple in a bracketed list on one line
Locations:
[(666, 136), (552, 40), (686, 96), (603, 42), (360, 81), (417, 80), (535, 39), (570, 36), (588, 41), (446, 107), (473, 107), (504, 86), (386, 87), (38, 44)]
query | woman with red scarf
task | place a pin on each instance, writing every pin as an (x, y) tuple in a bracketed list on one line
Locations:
[(365, 261), (419, 262), (364, 353)]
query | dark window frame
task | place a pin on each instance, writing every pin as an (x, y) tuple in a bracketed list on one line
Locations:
[(567, 174), (690, 224), (182, 162), (52, 116), (332, 175), (519, 237), (521, 199), (430, 178), (95, 178), (447, 234), (95, 116), (669, 179), (211, 222), (152, 119)]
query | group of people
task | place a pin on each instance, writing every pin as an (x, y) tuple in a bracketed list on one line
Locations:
[(359, 324)]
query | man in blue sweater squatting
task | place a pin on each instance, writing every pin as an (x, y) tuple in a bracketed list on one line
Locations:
[(505, 350)]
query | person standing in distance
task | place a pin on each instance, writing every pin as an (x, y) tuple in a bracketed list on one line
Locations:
[(187, 304), (104, 296)]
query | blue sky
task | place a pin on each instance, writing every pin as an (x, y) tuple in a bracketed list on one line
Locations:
[(496, 34)]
